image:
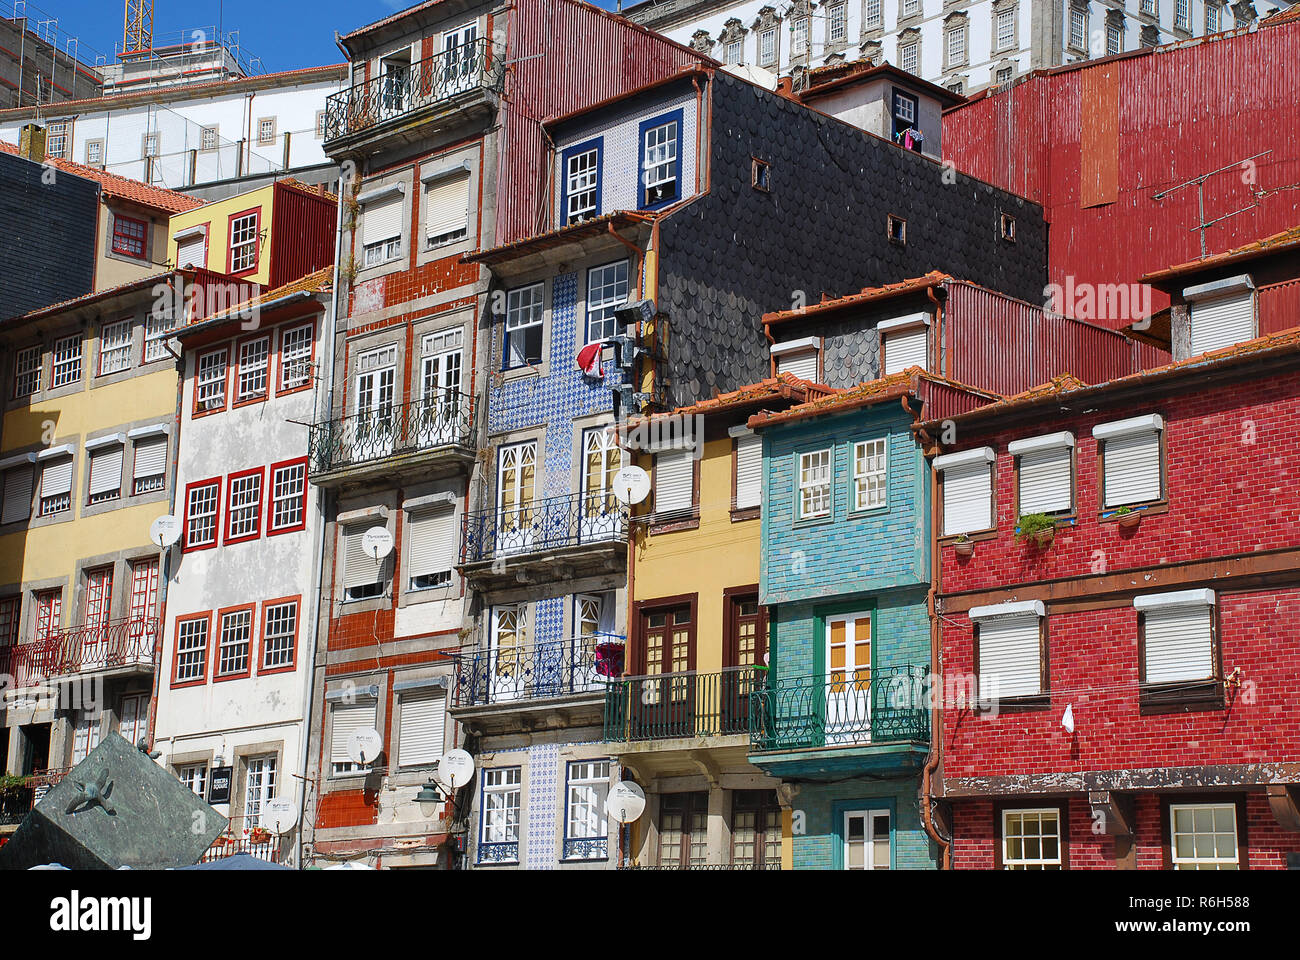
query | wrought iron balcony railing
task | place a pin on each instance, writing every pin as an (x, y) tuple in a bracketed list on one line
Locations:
[(18, 800), (443, 420), (84, 649), (673, 705), (508, 673), (884, 705), (760, 865), (244, 836), (569, 521), (402, 90)]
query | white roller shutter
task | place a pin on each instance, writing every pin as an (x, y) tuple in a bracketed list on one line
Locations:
[(1009, 650), (749, 470), (18, 495), (345, 720), (190, 252), (1223, 321), (967, 498), (150, 457), (106, 470), (446, 205), (1178, 641), (381, 220), (433, 542), (801, 365), (1045, 477), (359, 567), (674, 481), (905, 348), (421, 729), (56, 478), (1131, 466)]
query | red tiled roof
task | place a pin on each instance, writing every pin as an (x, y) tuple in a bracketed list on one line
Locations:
[(322, 281), (903, 383), (784, 386), (934, 278), (121, 188), (1285, 240), (93, 296), (1283, 16)]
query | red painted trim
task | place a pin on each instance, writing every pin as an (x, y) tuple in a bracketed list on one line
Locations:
[(176, 633), (188, 547), (261, 648), (230, 246), (284, 328), (259, 472), (195, 411), (234, 379), (271, 529), (144, 239), (252, 642)]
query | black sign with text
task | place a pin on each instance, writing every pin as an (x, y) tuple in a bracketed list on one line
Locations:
[(219, 784)]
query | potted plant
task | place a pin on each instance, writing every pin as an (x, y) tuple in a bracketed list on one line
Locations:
[(259, 835), (1128, 518), (1036, 526), (963, 546)]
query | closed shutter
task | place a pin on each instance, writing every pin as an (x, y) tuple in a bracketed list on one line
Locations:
[(749, 471), (1009, 657), (359, 567), (802, 365), (18, 495), (1132, 468), (346, 720), (446, 206), (1045, 481), (150, 457), (1221, 322), (1178, 643), (905, 348), (56, 478), (433, 542), (381, 220), (106, 470), (421, 730), (967, 498), (189, 253), (674, 481)]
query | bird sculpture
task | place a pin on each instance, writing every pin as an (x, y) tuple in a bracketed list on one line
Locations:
[(94, 794)]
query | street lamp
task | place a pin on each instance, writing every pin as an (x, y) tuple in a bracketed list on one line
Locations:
[(430, 798)]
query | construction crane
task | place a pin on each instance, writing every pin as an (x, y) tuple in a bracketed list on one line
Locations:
[(137, 34)]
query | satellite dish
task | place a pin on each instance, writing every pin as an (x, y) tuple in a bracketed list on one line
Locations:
[(364, 745), (455, 768), (631, 485), (626, 802), (165, 531), (279, 815), (377, 542)]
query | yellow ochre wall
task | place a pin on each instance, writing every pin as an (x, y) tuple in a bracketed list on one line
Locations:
[(217, 216)]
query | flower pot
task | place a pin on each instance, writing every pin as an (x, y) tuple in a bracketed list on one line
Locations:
[(1044, 538), (963, 548), (1129, 521)]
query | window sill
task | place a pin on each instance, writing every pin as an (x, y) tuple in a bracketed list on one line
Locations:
[(739, 514), (1109, 515), (658, 525), (973, 537), (1190, 697), (1026, 704)]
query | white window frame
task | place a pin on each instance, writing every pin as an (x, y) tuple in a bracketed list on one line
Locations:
[(873, 15), (27, 372), (837, 29), (288, 482), (767, 46), (1195, 861), (909, 52), (498, 806), (980, 459), (204, 494), (279, 635), (156, 332), (296, 348), (869, 839), (1078, 28), (115, 347), (582, 177), (1004, 39), (259, 787), (234, 646), (192, 636), (991, 621), (525, 309), (815, 482), (955, 37), (661, 157), (253, 380), (211, 369), (873, 483), (195, 778), (243, 243), (608, 287), (584, 795), (244, 506), (66, 367), (1040, 862)]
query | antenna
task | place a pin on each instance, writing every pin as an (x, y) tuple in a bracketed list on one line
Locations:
[(137, 31), (1199, 182)]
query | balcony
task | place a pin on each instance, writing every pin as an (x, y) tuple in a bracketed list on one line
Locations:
[(410, 101), (760, 865), (576, 535), (566, 678), (18, 798), (240, 837), (113, 648), (404, 442), (681, 705), (876, 720)]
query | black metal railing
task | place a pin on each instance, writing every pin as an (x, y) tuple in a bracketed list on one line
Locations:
[(884, 705), (401, 90), (672, 705), (443, 420), (568, 521), (508, 673)]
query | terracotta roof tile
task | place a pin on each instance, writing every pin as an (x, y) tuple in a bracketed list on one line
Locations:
[(322, 281), (871, 391), (122, 188), (1285, 240), (932, 279), (1283, 16)]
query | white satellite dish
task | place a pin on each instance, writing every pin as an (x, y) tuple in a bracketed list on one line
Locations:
[(377, 543), (279, 815), (165, 531), (364, 745), (626, 802), (631, 485), (455, 768)]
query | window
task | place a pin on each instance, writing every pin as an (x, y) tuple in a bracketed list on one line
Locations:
[(148, 474), (870, 474), (1114, 38), (1149, 36), (799, 37), (1009, 650), (130, 237), (1078, 28), (582, 182), (67, 361), (210, 392), (149, 145), (1149, 7), (767, 47), (896, 229), (201, 506), (99, 596), (254, 359), (18, 483), (208, 138), (755, 830), (1212, 18), (195, 778), (1032, 839), (1007, 226), (345, 720), (674, 483), (156, 329), (749, 471), (499, 840), (115, 347), (1045, 473), (446, 209), (607, 289), (871, 16), (421, 729), (56, 486), (586, 829), (659, 160), (94, 153), (837, 30), (683, 830), (1203, 836), (381, 229), (49, 613), (1132, 469), (761, 175), (1182, 16), (956, 40), (9, 610), (320, 124), (1003, 76), (909, 55), (297, 346), (1006, 29), (814, 484), (244, 242), (235, 642), (191, 251), (105, 472), (144, 589), (1222, 313), (1177, 636), (799, 358), (266, 131), (967, 490), (867, 840), (911, 7), (27, 372), (259, 788), (57, 140), (191, 649), (732, 51), (525, 310), (244, 509), (288, 497), (85, 735), (432, 554), (363, 576), (279, 635), (133, 718), (905, 343)]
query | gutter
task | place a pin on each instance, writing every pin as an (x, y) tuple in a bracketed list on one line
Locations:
[(936, 732)]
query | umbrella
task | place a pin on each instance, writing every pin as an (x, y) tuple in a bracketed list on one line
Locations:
[(238, 861)]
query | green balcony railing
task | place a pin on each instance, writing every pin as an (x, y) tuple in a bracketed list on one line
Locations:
[(884, 705), (673, 705)]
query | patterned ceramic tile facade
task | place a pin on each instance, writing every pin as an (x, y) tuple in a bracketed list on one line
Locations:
[(543, 793)]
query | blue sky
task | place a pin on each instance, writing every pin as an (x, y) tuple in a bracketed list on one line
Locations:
[(285, 34)]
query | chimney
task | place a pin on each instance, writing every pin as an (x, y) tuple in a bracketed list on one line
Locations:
[(31, 142)]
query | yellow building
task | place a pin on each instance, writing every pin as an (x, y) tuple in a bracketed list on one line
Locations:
[(678, 721)]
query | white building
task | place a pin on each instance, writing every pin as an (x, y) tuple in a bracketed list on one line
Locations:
[(957, 44)]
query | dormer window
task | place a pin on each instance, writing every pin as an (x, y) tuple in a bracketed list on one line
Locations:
[(798, 357), (660, 167), (904, 342), (1221, 313), (906, 113)]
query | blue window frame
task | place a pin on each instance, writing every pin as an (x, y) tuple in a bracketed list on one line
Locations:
[(500, 815), (580, 167), (586, 828), (660, 165), (525, 326)]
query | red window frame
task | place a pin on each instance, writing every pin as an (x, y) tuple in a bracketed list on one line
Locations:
[(280, 389), (198, 411), (256, 214), (258, 472), (10, 610), (122, 239), (262, 668), (188, 546), (202, 678), (238, 368), (49, 613), (144, 587), (251, 609), (99, 595), (271, 529)]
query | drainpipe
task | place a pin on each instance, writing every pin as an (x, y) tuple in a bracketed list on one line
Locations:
[(936, 733), (940, 318)]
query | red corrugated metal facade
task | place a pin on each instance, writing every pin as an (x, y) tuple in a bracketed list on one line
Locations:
[(304, 234), (607, 56), (1184, 111), (1279, 306)]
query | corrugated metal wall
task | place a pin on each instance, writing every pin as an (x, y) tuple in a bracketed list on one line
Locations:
[(304, 234), (1183, 112), (1279, 306)]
